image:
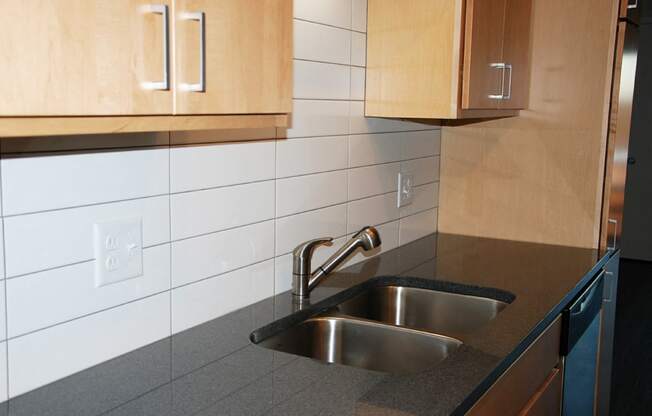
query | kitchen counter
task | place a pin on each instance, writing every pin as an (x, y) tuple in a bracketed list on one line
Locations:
[(214, 369)]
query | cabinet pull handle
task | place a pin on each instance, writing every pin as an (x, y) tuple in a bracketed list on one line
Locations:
[(632, 5), (502, 66), (508, 67), (614, 243), (164, 85), (201, 85)]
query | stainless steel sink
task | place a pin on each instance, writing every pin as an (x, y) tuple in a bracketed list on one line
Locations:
[(363, 344), (429, 310)]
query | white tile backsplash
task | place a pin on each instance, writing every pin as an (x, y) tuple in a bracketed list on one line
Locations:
[(311, 155), (358, 49), (57, 238), (211, 298), (373, 180), (201, 212), (31, 184), (304, 193), (319, 118), (323, 81), (210, 166), (209, 255), (219, 219), (76, 293), (316, 42), (326, 222), (53, 353), (359, 15), (330, 12)]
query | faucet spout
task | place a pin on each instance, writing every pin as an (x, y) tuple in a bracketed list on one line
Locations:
[(304, 282)]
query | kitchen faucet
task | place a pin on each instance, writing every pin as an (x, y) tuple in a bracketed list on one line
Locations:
[(304, 281)]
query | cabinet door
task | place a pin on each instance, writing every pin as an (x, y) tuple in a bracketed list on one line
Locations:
[(233, 56), (516, 53), (484, 71), (82, 57)]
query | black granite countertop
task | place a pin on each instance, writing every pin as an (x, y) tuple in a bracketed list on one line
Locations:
[(214, 369)]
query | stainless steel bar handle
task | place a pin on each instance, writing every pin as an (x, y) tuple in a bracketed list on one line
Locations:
[(632, 5), (502, 66), (164, 85), (201, 85), (614, 243), (508, 67)]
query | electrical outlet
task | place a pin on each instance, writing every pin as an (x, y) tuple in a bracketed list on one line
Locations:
[(118, 247), (405, 191)]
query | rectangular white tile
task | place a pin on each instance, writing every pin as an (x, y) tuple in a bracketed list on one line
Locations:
[(316, 42), (358, 49), (211, 298), (3, 314), (76, 293), (82, 343), (311, 155), (389, 241), (330, 12), (372, 149), (417, 226), (56, 238), (316, 80), (319, 118), (2, 249), (303, 193), (208, 166), (4, 391), (358, 77), (425, 170), (359, 124), (359, 15), (293, 230), (373, 180), (37, 183), (418, 144), (209, 255), (425, 197), (212, 210), (372, 211)]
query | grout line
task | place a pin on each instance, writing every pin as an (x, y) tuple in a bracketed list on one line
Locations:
[(86, 315), (328, 25), (76, 263), (256, 263), (316, 61), (170, 238), (6, 306), (436, 128)]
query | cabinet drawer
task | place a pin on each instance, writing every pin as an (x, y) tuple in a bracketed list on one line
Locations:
[(547, 400), (515, 388)]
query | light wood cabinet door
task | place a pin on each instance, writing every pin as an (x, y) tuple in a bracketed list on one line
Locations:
[(516, 53), (233, 56), (81, 57), (484, 73)]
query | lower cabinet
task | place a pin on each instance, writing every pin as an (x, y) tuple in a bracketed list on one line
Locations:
[(532, 385)]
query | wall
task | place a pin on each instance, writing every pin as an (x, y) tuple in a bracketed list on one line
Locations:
[(219, 220), (539, 177)]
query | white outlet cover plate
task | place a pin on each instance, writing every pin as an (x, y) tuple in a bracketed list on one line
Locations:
[(118, 247), (405, 189)]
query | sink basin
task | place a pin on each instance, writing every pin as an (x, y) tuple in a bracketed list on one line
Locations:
[(363, 344), (428, 310)]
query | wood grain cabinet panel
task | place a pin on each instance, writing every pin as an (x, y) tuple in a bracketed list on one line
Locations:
[(484, 72), (247, 56), (81, 57), (447, 59)]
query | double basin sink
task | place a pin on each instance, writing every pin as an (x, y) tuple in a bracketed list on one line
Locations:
[(394, 329)]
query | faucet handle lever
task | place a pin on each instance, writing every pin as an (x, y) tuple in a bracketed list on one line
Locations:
[(302, 255)]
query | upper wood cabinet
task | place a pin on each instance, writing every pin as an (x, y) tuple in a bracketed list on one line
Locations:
[(160, 62), (245, 64), (81, 57), (447, 59)]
